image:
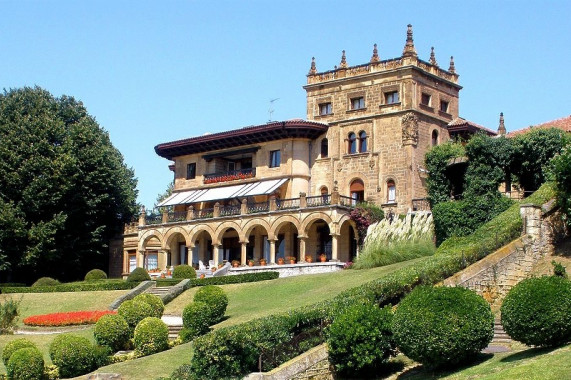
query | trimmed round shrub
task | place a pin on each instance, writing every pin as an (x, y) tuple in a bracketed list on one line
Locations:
[(73, 355), (134, 312), (95, 274), (360, 340), (196, 317), (138, 274), (154, 302), (183, 271), (151, 336), (537, 311), (45, 281), (26, 364), (13, 346), (442, 325), (214, 297), (112, 330)]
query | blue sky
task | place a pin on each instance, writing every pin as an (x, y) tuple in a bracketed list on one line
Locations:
[(152, 72)]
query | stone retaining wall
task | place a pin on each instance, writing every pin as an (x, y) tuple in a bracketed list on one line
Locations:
[(493, 276)]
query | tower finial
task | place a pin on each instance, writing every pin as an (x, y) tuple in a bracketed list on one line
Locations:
[(452, 68), (409, 50), (313, 69), (502, 127), (343, 63), (432, 57), (375, 57)]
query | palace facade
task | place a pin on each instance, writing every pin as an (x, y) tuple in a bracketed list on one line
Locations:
[(286, 188)]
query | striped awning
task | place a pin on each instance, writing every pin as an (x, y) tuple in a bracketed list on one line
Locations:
[(223, 192)]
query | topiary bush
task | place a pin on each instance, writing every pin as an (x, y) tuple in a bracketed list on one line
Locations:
[(360, 340), (151, 336), (441, 325), (26, 364), (113, 331), (134, 312), (45, 281), (73, 355), (183, 271), (154, 302), (537, 311), (138, 274), (95, 274), (215, 298), (196, 317), (13, 346)]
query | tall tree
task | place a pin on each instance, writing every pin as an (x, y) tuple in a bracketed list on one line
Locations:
[(64, 188)]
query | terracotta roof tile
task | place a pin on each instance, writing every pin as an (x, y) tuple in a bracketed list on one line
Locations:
[(564, 124), (461, 122)]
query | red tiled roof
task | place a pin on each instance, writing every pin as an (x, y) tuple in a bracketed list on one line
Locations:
[(460, 123), (244, 136), (564, 124)]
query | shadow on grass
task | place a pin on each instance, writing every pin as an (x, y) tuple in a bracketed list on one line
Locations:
[(382, 372), (422, 372), (529, 353)]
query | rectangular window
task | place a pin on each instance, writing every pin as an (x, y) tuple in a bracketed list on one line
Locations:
[(425, 99), (444, 106), (132, 262), (231, 166), (325, 109), (275, 159), (191, 171), (152, 261), (357, 103), (392, 97)]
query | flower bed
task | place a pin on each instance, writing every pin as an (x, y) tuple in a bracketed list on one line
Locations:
[(67, 319)]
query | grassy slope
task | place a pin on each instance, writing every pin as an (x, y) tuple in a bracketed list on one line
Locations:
[(524, 364), (249, 301)]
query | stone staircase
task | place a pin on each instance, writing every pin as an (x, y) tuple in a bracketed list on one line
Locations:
[(500, 336), (174, 330), (159, 291)]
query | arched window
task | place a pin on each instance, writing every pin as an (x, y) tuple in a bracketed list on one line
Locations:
[(324, 190), (357, 190), (362, 141), (434, 137), (324, 148), (391, 191), (352, 143), (324, 194)]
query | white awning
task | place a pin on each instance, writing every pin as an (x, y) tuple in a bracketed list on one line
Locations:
[(224, 192)]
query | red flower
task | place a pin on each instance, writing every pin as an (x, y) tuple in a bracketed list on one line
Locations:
[(67, 319)]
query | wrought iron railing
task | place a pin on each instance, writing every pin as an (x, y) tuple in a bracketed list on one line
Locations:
[(347, 201), (229, 210), (319, 200), (177, 216), (258, 207), (154, 219), (420, 204), (287, 204), (204, 213)]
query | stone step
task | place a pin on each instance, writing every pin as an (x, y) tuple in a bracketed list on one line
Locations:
[(174, 330)]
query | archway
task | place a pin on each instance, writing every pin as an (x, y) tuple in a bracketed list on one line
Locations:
[(319, 240), (229, 245), (202, 250), (347, 241), (258, 245), (287, 243)]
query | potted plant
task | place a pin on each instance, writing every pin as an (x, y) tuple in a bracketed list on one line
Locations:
[(291, 259), (235, 263), (308, 259), (281, 261), (263, 261), (250, 263), (202, 275), (213, 269), (323, 257)]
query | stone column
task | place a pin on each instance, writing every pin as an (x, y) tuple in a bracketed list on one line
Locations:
[(189, 254), (141, 258), (216, 212), (142, 216), (243, 250), (302, 200), (190, 213), (215, 253), (302, 244), (125, 261), (244, 207), (165, 217), (272, 251), (334, 247), (273, 204)]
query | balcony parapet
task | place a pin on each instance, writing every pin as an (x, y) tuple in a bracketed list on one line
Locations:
[(232, 175), (222, 211)]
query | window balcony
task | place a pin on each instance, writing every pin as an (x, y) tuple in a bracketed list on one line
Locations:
[(232, 175)]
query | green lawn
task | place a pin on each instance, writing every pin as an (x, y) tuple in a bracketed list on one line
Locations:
[(522, 364), (44, 303)]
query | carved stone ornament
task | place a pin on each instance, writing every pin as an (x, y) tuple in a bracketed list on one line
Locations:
[(371, 163), (339, 167), (409, 124)]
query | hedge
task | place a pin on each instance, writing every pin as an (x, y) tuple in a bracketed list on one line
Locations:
[(26, 364), (73, 287), (151, 336), (215, 298), (95, 274), (13, 346), (74, 355), (242, 344), (234, 279)]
